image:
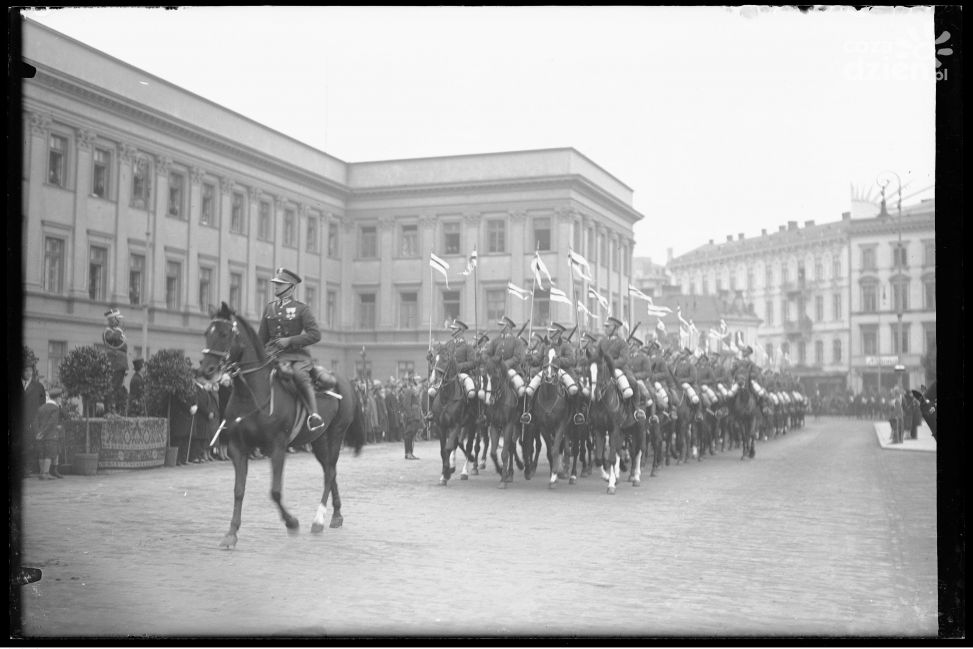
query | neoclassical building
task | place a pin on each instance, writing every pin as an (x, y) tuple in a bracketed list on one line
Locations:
[(142, 195), (818, 290)]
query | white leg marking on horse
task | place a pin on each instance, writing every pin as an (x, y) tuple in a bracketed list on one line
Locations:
[(321, 514), (612, 475), (637, 465), (466, 465)]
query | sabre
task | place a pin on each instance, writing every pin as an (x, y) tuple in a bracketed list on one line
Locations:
[(218, 431)]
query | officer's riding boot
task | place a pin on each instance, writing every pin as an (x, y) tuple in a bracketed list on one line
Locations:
[(314, 420)]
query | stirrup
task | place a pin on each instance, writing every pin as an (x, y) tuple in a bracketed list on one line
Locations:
[(316, 416), (639, 414), (525, 418), (579, 418)]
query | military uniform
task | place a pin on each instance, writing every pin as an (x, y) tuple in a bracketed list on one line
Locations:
[(456, 352), (662, 382), (684, 374), (506, 351), (614, 350), (707, 383)]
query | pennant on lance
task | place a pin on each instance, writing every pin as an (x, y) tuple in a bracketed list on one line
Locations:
[(557, 295), (439, 264), (583, 309), (540, 269), (579, 265), (636, 293), (516, 291), (471, 262), (598, 296)]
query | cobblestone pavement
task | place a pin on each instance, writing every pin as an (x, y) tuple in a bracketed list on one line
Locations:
[(822, 534)]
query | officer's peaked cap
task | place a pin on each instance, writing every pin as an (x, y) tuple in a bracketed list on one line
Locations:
[(459, 325), (635, 341), (613, 321), (284, 276), (506, 322), (556, 327)]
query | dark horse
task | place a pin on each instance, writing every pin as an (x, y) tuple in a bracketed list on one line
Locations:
[(503, 418), (550, 417), (927, 406), (451, 413), (745, 409), (263, 413), (614, 417)]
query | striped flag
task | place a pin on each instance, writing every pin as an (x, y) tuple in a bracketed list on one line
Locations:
[(439, 264), (579, 265), (540, 269), (661, 326), (636, 293), (682, 320), (515, 290), (658, 311), (598, 296), (723, 328), (557, 295), (470, 263), (583, 309)]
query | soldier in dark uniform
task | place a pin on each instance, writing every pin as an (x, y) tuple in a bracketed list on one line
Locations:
[(613, 349), (641, 368), (287, 327), (507, 351), (411, 415), (684, 374), (136, 390), (457, 350), (114, 339), (564, 360), (662, 382), (707, 383), (536, 357)]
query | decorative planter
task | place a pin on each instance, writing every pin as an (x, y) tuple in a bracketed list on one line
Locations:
[(85, 463), (120, 442)]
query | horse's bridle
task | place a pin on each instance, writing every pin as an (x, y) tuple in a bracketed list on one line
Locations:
[(235, 369)]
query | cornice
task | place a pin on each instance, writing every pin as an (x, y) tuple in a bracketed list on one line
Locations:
[(122, 107)]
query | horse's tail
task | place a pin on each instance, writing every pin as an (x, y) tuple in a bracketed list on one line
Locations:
[(355, 435)]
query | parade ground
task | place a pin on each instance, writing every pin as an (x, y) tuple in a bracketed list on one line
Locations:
[(824, 533)]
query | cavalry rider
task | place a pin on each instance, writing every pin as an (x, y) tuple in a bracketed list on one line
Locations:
[(613, 349), (458, 352), (288, 327), (743, 369), (587, 354), (507, 352), (684, 373), (564, 359), (662, 381), (707, 383), (535, 360), (720, 374), (641, 368), (114, 339)]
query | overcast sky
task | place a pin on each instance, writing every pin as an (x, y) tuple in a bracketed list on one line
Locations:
[(721, 120)]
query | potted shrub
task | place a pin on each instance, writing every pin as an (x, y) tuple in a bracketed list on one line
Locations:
[(86, 372), (168, 378)]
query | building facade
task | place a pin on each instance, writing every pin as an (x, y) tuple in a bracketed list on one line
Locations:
[(806, 285), (139, 194)]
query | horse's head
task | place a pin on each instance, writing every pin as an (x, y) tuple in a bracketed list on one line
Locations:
[(224, 344)]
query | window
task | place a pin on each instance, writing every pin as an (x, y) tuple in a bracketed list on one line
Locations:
[(836, 350), (929, 253), (542, 308), (705, 289), (101, 173), (900, 258), (333, 240), (836, 306), (236, 213), (733, 280), (801, 273), (405, 369), (173, 282), (869, 296), (900, 345), (818, 269), (290, 228), (205, 288), (57, 159), (819, 308), (330, 316), (783, 310), (769, 350), (929, 329), (900, 294), (576, 236), (312, 234), (451, 238), (265, 225), (366, 311), (450, 305), (929, 292), (367, 242), (769, 312), (136, 278), (590, 248), (53, 265), (869, 340), (496, 232), (768, 276), (801, 353), (719, 285), (542, 234), (836, 268), (409, 241), (496, 304), (311, 298), (409, 311), (207, 214), (57, 350), (141, 184), (97, 273), (819, 352), (785, 273), (868, 258), (236, 291), (176, 194)]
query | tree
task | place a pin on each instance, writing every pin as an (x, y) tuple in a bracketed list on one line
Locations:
[(86, 372), (167, 376), (30, 358)]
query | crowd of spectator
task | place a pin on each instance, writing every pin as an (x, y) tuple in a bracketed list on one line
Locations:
[(897, 406)]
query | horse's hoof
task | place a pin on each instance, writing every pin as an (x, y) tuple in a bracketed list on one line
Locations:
[(293, 527), (442, 482), (228, 542), (464, 477), (317, 528), (483, 464), (551, 485), (611, 491), (502, 485), (636, 482), (476, 471), (336, 522), (572, 480)]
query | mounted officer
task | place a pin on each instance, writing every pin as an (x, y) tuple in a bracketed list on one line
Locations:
[(536, 357), (458, 352), (684, 373), (564, 359), (707, 383), (114, 339), (641, 369), (286, 329), (662, 382), (745, 367), (612, 348), (507, 352)]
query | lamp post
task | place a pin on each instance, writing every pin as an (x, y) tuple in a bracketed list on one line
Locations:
[(897, 268)]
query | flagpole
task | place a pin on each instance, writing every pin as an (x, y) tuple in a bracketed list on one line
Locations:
[(476, 289), (432, 291), (533, 287)]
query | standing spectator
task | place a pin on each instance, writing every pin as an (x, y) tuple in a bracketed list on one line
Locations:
[(371, 414), (895, 415), (114, 339), (33, 400), (382, 411), (910, 415), (409, 403), (48, 430), (136, 390), (394, 414)]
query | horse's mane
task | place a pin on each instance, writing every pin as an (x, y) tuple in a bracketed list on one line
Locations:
[(247, 330)]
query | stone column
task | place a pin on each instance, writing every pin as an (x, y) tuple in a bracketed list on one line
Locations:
[(33, 236), (192, 237), (158, 207), (347, 263), (519, 261), (428, 290), (225, 212), (472, 302), (386, 298)]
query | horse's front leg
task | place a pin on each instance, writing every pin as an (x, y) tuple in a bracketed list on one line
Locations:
[(614, 459), (240, 456), (447, 441), (638, 443), (278, 453), (494, 445)]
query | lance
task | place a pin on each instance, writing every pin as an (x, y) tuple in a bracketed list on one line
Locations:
[(632, 334)]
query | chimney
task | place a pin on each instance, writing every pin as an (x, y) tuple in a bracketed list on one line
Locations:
[(846, 216), (763, 232), (740, 237), (792, 225), (808, 224), (668, 255), (711, 242), (782, 228), (729, 237)]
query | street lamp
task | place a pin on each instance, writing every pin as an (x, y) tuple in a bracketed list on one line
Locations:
[(897, 267)]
